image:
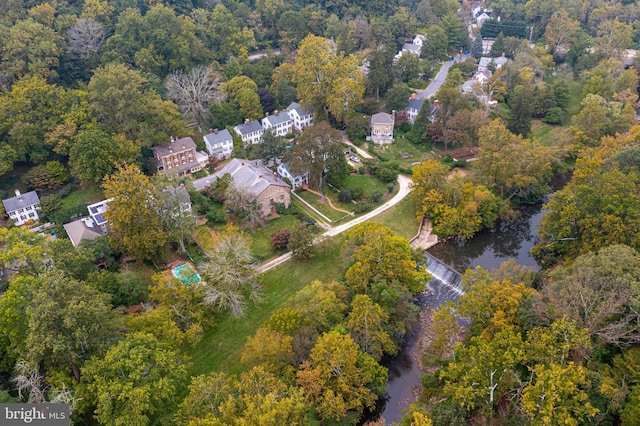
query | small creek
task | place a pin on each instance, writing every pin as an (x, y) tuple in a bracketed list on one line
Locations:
[(488, 249)]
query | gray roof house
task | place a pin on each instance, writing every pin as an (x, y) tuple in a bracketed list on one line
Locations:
[(413, 108), (250, 131), (219, 143), (382, 128), (89, 228), (411, 48), (484, 62), (301, 116), (263, 186), (279, 122), (296, 179), (22, 207)]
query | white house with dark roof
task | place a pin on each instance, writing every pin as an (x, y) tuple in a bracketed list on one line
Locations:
[(382, 128), (296, 179), (279, 122), (263, 186), (411, 48), (413, 109), (22, 207), (250, 131), (301, 117), (177, 157), (219, 144)]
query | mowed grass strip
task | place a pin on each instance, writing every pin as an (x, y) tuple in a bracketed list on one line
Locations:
[(221, 347), (400, 218)]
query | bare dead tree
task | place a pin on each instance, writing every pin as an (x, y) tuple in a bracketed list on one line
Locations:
[(30, 382), (194, 92), (86, 37)]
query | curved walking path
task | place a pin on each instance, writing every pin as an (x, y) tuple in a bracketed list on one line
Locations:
[(306, 188)]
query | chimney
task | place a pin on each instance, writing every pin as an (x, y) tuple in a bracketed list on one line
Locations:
[(246, 121), (266, 114), (503, 54), (215, 131), (393, 114), (275, 176), (183, 146), (435, 104), (276, 112), (171, 138), (18, 195)]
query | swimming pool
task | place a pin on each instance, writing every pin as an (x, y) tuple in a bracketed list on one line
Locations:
[(185, 273)]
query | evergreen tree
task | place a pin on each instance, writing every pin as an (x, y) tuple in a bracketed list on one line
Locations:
[(498, 46), (476, 47)]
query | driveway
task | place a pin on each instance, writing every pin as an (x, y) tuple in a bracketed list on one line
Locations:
[(361, 152), (438, 80), (403, 191)]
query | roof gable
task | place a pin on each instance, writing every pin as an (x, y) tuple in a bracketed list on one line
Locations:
[(382, 118), (219, 137), (21, 201)]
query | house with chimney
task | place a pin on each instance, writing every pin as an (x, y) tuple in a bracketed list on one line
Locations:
[(219, 144), (382, 128), (413, 109), (250, 132), (91, 227), (177, 157), (301, 117), (261, 184), (22, 207), (279, 122)]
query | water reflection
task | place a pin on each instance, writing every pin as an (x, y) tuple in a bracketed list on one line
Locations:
[(508, 240)]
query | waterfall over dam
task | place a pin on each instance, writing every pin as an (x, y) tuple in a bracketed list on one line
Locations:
[(445, 284)]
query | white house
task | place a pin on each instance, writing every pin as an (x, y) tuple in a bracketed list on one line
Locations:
[(419, 39), (250, 131), (279, 122), (22, 207), (411, 48), (482, 76), (284, 171), (219, 144), (413, 109), (301, 117), (482, 18)]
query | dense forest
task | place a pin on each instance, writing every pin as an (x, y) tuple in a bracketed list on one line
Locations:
[(88, 88)]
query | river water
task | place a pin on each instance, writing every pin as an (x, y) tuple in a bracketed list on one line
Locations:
[(488, 249)]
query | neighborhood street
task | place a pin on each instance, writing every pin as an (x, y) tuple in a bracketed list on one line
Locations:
[(438, 80)]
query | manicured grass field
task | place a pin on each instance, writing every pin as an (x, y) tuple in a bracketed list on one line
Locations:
[(368, 184), (413, 153), (261, 246), (221, 346), (400, 218), (84, 196)]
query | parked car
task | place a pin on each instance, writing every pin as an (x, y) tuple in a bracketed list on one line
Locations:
[(355, 159)]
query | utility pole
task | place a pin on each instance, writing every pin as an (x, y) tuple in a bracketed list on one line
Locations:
[(531, 34)]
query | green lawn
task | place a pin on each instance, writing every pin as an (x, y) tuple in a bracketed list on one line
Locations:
[(413, 153), (368, 184), (261, 246), (221, 346), (400, 218), (84, 196)]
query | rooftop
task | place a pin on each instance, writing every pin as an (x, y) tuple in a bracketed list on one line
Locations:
[(250, 175), (97, 210), (250, 127), (411, 47), (174, 146), (382, 118), (415, 104), (217, 137), (20, 201), (82, 229), (294, 106), (277, 118)]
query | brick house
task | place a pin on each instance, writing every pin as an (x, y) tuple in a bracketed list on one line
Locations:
[(382, 128), (263, 186), (177, 157)]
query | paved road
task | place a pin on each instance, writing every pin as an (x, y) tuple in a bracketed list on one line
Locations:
[(403, 191), (203, 182), (439, 79), (360, 151)]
